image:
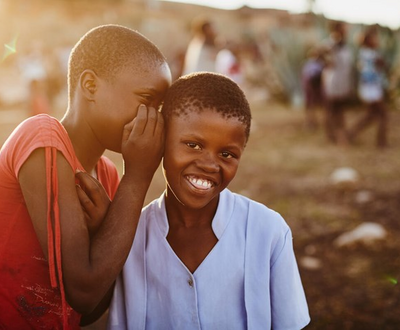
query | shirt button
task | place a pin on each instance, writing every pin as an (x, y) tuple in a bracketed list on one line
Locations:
[(190, 282)]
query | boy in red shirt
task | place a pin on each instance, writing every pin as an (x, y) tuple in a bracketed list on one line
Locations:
[(53, 265)]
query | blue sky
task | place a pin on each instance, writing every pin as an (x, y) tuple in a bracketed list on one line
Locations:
[(384, 12)]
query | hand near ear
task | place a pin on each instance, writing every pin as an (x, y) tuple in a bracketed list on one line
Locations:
[(143, 142)]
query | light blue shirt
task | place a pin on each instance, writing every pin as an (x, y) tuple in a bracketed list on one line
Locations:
[(249, 280)]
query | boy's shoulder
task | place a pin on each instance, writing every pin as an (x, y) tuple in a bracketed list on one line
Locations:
[(41, 127), (40, 119), (31, 133), (260, 216), (36, 132), (35, 123), (266, 230)]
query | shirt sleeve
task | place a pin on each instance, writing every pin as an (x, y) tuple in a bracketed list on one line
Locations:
[(40, 131), (288, 302)]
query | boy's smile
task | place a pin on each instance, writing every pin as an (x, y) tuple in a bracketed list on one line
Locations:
[(202, 184), (202, 154)]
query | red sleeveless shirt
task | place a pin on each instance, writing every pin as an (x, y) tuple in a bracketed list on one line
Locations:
[(31, 289)]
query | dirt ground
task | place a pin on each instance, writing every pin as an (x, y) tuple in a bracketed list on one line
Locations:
[(288, 168), (356, 286)]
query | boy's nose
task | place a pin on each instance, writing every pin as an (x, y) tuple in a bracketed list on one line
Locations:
[(208, 162)]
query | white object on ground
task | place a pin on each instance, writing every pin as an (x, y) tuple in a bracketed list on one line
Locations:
[(366, 233)]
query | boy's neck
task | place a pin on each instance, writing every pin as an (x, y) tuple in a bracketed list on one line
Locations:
[(82, 141), (181, 215), (190, 233)]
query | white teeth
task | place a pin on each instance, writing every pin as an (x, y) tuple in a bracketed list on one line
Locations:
[(200, 183)]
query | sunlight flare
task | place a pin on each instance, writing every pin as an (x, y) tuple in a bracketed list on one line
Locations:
[(10, 48)]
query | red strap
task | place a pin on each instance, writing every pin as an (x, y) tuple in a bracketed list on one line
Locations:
[(54, 238), (50, 235)]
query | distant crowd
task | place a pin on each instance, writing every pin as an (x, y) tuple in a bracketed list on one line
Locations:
[(328, 79), (332, 76)]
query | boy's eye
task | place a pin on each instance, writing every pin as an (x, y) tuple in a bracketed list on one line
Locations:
[(147, 99), (193, 145), (226, 154)]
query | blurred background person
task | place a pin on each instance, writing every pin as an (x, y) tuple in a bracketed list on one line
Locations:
[(228, 63), (311, 83), (372, 82), (202, 49), (34, 77), (337, 83), (38, 100)]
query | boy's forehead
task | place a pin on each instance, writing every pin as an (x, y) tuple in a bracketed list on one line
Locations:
[(200, 112), (193, 107), (147, 74), (146, 67), (178, 121), (188, 109)]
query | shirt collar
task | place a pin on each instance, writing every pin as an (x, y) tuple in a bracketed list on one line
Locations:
[(219, 223)]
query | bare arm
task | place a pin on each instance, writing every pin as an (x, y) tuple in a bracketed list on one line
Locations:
[(90, 266), (99, 311)]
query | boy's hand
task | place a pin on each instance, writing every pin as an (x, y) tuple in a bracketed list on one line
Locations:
[(94, 200), (143, 142)]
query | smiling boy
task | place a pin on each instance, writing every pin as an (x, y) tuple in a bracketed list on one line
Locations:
[(204, 257)]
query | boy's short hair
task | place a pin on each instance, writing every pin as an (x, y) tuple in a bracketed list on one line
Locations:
[(107, 49), (207, 90)]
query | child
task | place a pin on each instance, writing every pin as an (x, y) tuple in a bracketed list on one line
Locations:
[(202, 50), (371, 88), (311, 83), (114, 74), (39, 102), (204, 257), (337, 83)]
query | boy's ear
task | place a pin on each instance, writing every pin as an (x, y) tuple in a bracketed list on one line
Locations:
[(88, 84)]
